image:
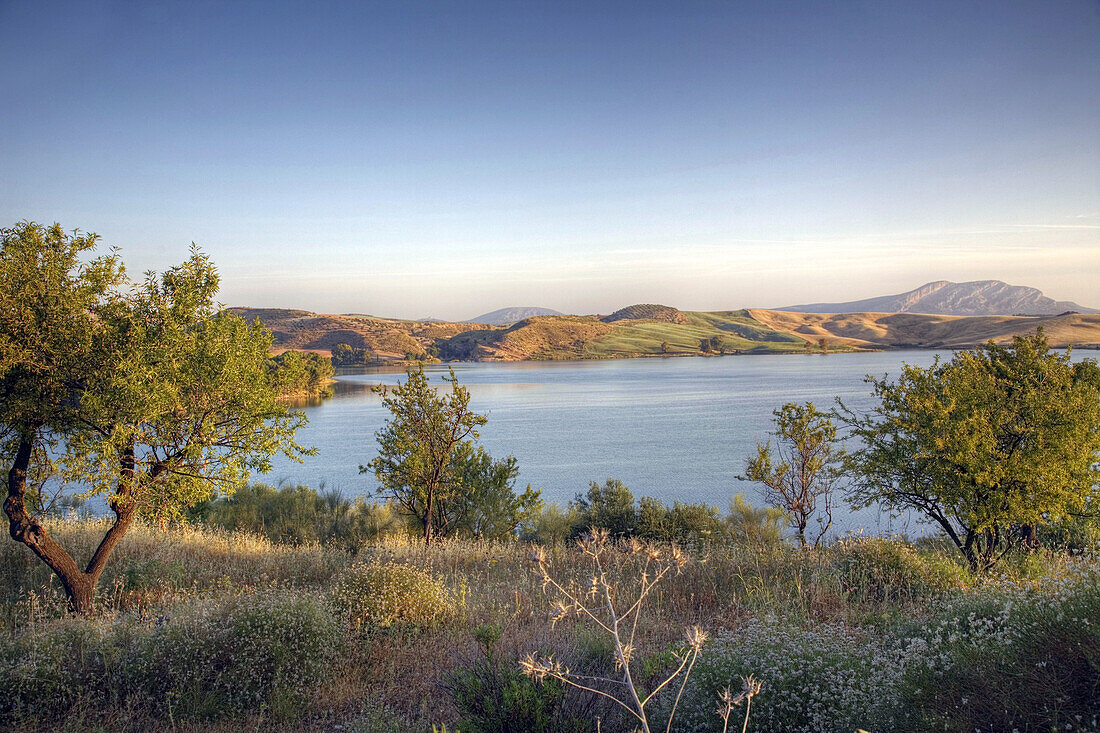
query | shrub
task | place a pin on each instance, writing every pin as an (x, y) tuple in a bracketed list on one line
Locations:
[(752, 525), (492, 696), (1014, 656), (248, 654), (609, 507), (552, 526), (885, 570), (55, 667), (832, 678), (683, 523), (302, 515), (389, 594)]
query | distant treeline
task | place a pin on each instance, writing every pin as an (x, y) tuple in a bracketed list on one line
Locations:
[(346, 355)]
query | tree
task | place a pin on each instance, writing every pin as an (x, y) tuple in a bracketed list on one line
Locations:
[(151, 398), (303, 374), (489, 507), (993, 441), (423, 448), (800, 476), (610, 507)]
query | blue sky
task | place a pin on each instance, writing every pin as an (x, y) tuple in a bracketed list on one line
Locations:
[(445, 159)]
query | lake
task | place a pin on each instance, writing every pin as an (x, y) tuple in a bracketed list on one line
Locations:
[(678, 429)]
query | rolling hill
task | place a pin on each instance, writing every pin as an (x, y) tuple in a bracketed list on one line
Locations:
[(653, 330), (976, 298)]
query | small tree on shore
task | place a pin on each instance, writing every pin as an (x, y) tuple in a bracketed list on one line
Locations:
[(799, 475), (608, 506), (489, 507), (422, 449)]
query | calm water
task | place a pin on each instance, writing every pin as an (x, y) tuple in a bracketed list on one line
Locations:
[(676, 429)]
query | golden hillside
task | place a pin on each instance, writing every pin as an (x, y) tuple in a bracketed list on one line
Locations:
[(658, 331), (916, 330)]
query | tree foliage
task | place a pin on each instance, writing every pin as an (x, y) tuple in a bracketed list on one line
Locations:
[(802, 470), (345, 355), (995, 440), (303, 374), (429, 463), (608, 506), (489, 507), (148, 396)]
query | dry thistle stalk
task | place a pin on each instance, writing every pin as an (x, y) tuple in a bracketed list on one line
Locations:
[(750, 688), (595, 601)]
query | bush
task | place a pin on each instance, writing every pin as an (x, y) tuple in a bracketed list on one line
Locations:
[(551, 527), (609, 507), (492, 696), (302, 515), (248, 654), (831, 678), (683, 523), (756, 526), (54, 668), (389, 594), (885, 570), (1014, 656)]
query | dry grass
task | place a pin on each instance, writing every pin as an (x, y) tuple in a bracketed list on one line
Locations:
[(401, 669)]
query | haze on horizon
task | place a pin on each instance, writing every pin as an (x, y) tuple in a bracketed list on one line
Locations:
[(449, 158)]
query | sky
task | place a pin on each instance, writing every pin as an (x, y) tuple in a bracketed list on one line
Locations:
[(415, 159)]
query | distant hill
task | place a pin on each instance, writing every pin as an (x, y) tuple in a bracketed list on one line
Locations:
[(507, 316), (976, 298), (651, 330), (646, 311)]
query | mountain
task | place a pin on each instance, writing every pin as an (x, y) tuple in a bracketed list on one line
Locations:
[(506, 316), (976, 298)]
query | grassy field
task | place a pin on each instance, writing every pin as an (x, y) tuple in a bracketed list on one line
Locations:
[(206, 630)]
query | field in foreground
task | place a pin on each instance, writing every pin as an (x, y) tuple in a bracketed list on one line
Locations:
[(203, 630)]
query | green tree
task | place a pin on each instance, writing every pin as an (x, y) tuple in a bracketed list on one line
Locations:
[(153, 399), (303, 374), (799, 475), (489, 507), (609, 506), (993, 441), (345, 355), (423, 448), (680, 523)]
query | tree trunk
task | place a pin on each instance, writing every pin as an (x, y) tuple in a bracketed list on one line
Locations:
[(428, 518), (1030, 534), (79, 586), (26, 529)]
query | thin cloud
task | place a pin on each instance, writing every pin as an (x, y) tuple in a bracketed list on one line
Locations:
[(1054, 226)]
